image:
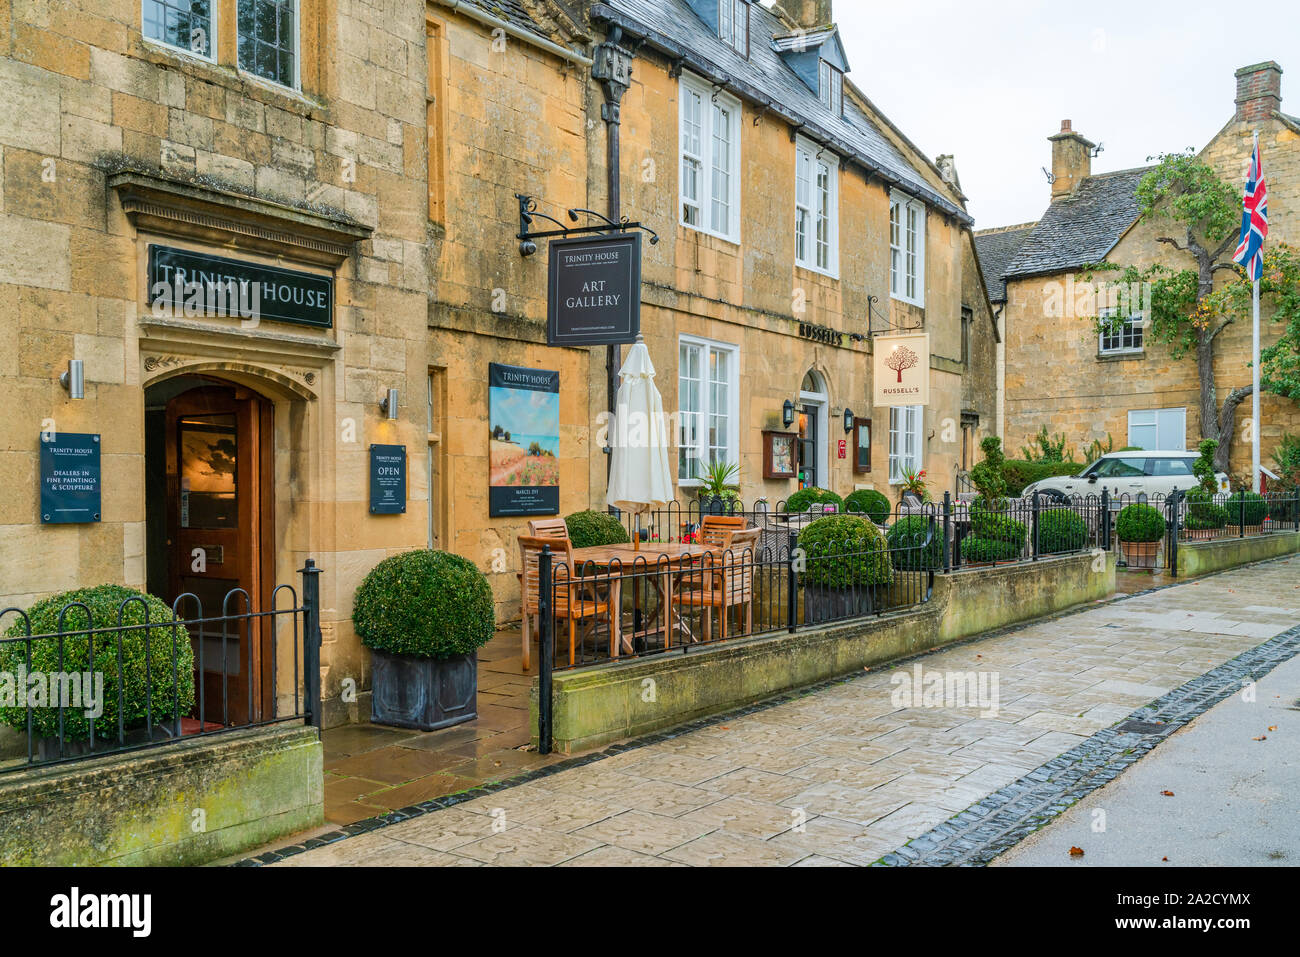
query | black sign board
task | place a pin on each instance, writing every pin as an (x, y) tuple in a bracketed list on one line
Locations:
[(595, 290), (387, 479), (523, 441), (70, 478), (188, 283)]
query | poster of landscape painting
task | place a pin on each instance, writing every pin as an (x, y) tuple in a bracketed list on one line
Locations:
[(524, 441)]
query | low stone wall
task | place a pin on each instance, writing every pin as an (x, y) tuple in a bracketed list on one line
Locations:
[(189, 803), (1204, 558), (606, 703)]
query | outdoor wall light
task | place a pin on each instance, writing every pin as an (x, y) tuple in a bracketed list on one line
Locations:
[(389, 404), (787, 414), (74, 380), (848, 420)]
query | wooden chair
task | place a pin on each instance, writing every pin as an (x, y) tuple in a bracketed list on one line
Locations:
[(725, 583), (576, 598), (716, 530), (537, 528)]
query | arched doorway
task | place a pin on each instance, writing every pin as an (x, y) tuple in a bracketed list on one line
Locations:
[(209, 446), (814, 401)]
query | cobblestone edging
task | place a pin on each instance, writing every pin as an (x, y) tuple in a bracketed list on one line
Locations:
[(451, 800), (1006, 817)]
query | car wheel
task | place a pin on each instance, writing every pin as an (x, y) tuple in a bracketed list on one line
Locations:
[(1056, 496)]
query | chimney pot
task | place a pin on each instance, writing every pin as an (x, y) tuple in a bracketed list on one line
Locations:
[(1071, 160), (1259, 91)]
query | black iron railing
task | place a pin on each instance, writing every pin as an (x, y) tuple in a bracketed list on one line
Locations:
[(148, 677)]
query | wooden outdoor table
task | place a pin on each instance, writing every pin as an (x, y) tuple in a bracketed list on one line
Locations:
[(671, 560)]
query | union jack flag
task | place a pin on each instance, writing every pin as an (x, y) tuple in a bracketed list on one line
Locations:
[(1254, 219)]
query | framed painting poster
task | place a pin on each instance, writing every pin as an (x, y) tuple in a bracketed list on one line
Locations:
[(779, 455), (523, 441)]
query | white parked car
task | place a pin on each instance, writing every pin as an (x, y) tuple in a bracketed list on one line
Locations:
[(1129, 474)]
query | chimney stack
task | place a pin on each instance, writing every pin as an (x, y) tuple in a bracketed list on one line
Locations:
[(1259, 91), (1071, 161), (808, 14)]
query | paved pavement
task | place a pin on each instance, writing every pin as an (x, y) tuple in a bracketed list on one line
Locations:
[(1225, 790), (848, 773)]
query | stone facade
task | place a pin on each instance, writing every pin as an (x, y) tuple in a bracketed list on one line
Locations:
[(391, 166), (1054, 372)]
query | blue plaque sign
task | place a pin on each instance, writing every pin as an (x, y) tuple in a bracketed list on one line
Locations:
[(387, 479), (69, 478)]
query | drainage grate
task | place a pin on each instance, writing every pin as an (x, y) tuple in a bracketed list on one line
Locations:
[(1143, 727)]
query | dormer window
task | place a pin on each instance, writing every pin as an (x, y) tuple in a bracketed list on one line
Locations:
[(832, 88), (733, 24)]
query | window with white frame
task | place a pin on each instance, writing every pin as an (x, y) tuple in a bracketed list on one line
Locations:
[(710, 146), (733, 24), (831, 83), (184, 24), (1120, 336), (268, 39), (907, 249), (816, 208), (707, 405), (1158, 430), (905, 434)]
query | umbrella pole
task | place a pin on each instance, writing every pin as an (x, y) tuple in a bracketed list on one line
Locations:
[(636, 541)]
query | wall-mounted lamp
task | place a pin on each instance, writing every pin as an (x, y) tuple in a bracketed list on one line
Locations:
[(74, 380), (389, 404), (848, 420), (787, 414)]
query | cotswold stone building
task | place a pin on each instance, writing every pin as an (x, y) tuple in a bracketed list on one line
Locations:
[(278, 238), (1058, 372)]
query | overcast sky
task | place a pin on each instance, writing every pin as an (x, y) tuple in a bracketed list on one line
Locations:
[(990, 81)]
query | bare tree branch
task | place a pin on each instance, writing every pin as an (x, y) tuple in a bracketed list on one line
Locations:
[(1169, 240), (1225, 246)]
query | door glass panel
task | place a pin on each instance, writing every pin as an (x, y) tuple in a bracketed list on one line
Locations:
[(208, 474)]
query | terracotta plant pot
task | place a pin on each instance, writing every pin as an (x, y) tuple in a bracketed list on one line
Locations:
[(1202, 534), (1140, 554), (1234, 531)]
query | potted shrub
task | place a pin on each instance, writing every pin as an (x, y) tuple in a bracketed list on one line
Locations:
[(994, 536), (867, 501), (170, 698), (846, 560), (591, 529), (424, 615), (1140, 529), (1254, 508), (1205, 519), (914, 483), (806, 498), (916, 544), (1061, 530), (717, 493)]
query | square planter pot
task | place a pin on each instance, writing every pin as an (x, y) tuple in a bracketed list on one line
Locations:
[(1140, 554), (831, 604), (423, 693)]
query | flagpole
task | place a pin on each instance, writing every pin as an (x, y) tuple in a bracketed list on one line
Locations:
[(1256, 425)]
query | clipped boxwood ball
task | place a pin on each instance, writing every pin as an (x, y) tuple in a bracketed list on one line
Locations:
[(842, 551), (916, 543), (425, 604), (806, 498), (1061, 530), (867, 501), (593, 529), (147, 661), (1140, 523), (1256, 508)]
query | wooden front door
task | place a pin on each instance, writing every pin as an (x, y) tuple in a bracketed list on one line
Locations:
[(218, 508)]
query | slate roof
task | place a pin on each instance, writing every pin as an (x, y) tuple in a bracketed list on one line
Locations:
[(1082, 228), (996, 249), (673, 27), (511, 11)]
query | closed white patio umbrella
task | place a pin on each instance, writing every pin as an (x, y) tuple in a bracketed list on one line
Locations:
[(640, 475)]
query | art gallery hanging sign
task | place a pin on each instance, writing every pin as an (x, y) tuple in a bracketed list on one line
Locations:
[(523, 441), (594, 291), (901, 370)]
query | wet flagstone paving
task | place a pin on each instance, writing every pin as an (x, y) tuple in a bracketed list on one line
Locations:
[(841, 776)]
